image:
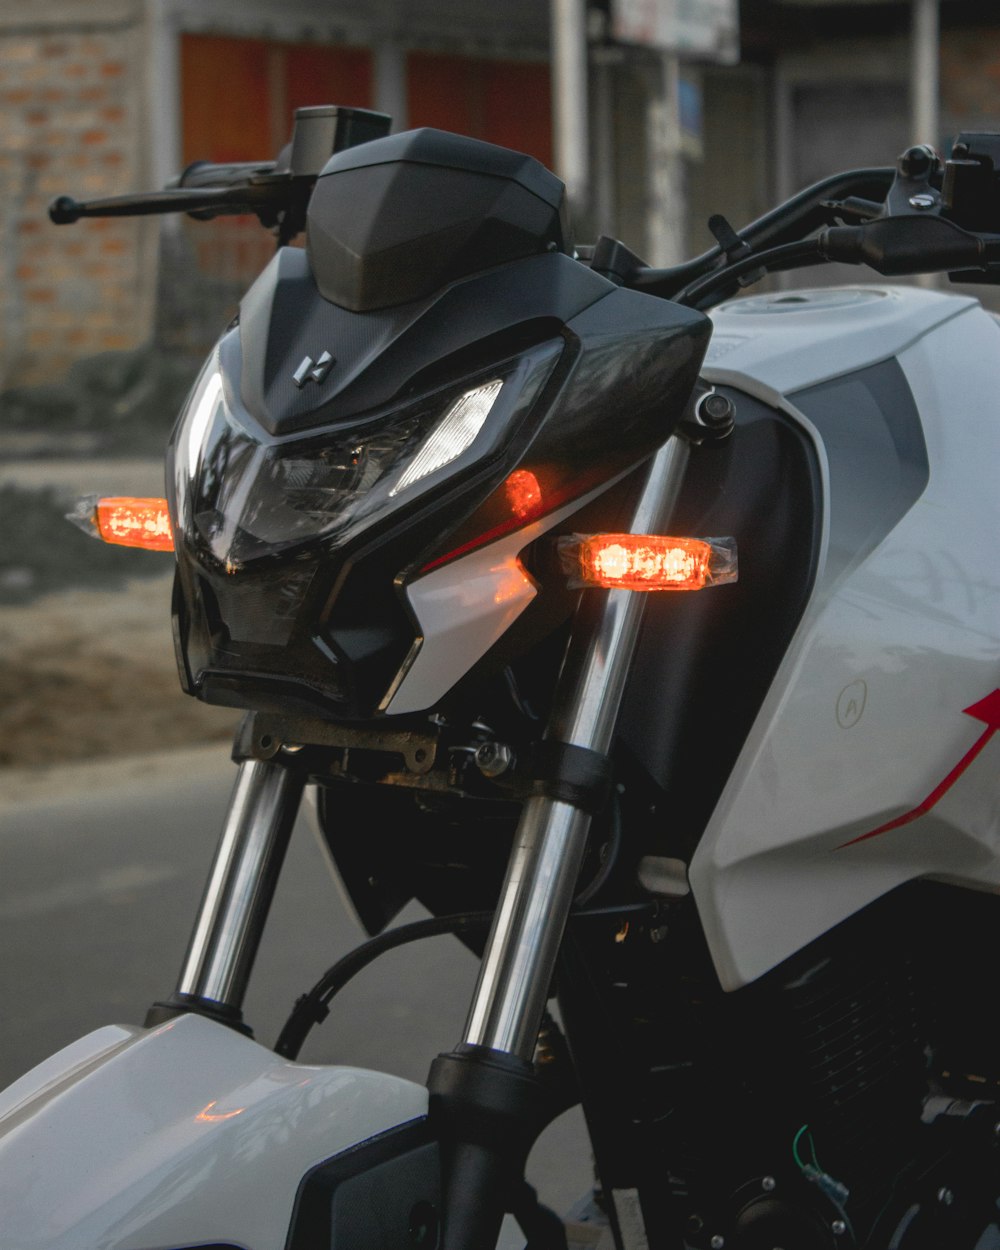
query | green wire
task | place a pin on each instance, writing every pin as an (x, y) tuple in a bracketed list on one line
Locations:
[(812, 1150), (795, 1147)]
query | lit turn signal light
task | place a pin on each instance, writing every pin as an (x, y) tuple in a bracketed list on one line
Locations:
[(126, 521), (647, 561), (524, 495)]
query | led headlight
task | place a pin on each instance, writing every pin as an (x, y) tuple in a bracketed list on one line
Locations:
[(455, 432), (241, 494)]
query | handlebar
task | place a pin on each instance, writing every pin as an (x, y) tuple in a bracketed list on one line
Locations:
[(800, 215), (276, 191), (918, 217), (207, 201)]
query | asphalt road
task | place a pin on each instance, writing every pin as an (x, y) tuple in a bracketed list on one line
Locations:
[(101, 871)]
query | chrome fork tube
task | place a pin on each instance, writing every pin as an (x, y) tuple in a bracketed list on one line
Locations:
[(538, 891), (238, 895)]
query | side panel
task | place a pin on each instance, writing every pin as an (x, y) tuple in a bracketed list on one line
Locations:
[(184, 1135), (873, 760)]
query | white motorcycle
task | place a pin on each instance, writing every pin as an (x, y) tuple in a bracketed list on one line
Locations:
[(441, 501)]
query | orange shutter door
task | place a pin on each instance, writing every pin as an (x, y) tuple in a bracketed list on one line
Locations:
[(317, 75), (517, 107), (504, 102), (239, 96), (226, 101)]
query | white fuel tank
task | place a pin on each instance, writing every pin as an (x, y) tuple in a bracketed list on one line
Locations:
[(875, 758)]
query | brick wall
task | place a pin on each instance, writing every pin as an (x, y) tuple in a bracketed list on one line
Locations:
[(70, 112)]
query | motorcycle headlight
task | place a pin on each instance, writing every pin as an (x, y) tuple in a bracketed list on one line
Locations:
[(289, 544), (241, 495)]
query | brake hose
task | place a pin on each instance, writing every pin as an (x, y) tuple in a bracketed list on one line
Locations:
[(313, 1007)]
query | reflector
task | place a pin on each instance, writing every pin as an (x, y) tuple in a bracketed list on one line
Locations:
[(647, 561)]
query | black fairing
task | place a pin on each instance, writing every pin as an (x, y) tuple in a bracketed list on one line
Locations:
[(381, 356), (383, 1194), (293, 545), (706, 661), (320, 625), (394, 220)]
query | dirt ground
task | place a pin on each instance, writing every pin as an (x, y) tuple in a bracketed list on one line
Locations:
[(90, 673), (87, 672)]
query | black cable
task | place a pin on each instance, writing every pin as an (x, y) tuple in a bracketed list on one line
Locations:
[(313, 1007), (801, 215), (724, 282)]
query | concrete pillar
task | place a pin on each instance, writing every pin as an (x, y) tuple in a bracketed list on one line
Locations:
[(390, 84), (925, 72), (163, 93), (925, 53), (604, 152), (666, 215), (570, 128)]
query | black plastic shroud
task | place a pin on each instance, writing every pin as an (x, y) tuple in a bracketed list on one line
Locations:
[(396, 219)]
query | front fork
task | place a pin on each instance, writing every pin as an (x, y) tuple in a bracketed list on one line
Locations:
[(483, 1093), (483, 1096), (227, 932), (551, 837)]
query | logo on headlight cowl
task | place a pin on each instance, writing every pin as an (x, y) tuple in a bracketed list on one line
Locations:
[(314, 370)]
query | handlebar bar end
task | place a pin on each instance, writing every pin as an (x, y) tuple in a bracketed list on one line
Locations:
[(64, 210)]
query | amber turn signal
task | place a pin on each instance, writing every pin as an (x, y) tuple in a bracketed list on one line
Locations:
[(130, 522), (126, 521), (647, 561)]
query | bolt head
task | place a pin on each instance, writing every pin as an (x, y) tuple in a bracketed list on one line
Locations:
[(716, 410), (717, 1242), (768, 1183), (493, 758), (838, 1228), (945, 1196)]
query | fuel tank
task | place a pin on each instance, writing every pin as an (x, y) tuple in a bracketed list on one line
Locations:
[(873, 757)]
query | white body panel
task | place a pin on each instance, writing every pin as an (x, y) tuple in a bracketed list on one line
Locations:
[(134, 1139), (462, 609), (865, 721)]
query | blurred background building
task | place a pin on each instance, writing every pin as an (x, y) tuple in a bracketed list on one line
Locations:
[(100, 97)]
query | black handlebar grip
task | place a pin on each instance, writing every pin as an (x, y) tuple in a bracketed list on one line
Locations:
[(204, 174)]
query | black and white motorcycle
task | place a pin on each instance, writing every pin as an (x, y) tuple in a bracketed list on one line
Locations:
[(730, 859)]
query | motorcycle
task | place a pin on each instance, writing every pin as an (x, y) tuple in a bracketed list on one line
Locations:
[(729, 855)]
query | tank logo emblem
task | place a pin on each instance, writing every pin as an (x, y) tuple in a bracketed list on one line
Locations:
[(316, 370), (986, 710), (851, 704)]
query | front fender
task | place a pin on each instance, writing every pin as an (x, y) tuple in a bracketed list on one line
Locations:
[(188, 1134)]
